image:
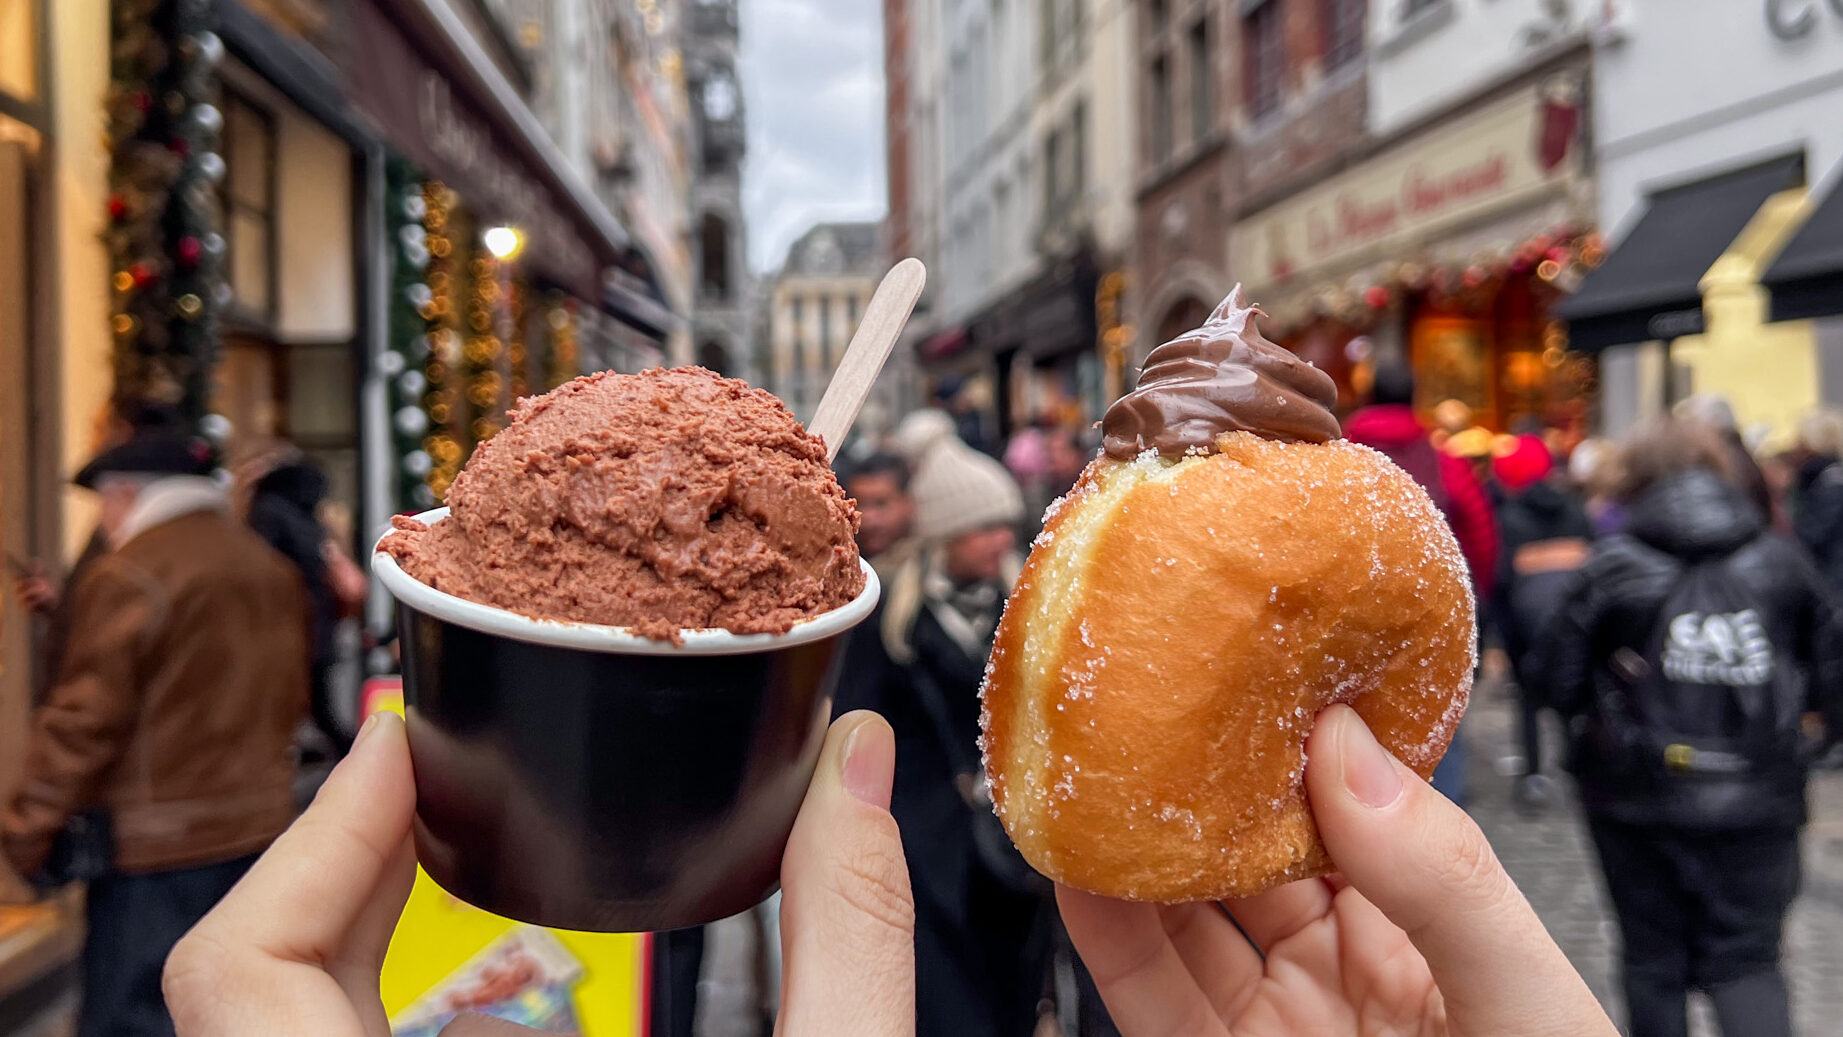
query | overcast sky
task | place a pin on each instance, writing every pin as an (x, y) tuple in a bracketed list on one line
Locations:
[(812, 84)]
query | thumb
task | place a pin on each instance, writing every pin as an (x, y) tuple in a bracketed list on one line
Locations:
[(847, 919), (1423, 863)]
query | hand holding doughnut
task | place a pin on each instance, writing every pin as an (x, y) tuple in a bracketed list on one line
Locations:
[(1422, 933), (1224, 572)]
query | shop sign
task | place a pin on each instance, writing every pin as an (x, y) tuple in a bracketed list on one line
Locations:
[(1673, 324), (464, 151), (1502, 156)]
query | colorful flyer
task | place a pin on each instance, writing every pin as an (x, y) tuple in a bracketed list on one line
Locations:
[(447, 957)]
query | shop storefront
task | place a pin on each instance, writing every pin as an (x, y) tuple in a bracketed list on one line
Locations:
[(318, 222), (1685, 275), (291, 240), (508, 275), (1448, 247), (1721, 275), (1037, 349)]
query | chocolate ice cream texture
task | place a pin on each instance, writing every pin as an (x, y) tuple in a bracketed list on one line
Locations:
[(664, 501), (1222, 377)]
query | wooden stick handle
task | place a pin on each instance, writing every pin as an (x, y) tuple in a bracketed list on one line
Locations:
[(877, 333)]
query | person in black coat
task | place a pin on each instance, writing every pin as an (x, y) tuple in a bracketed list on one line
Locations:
[(1543, 537), (1701, 863), (283, 489), (983, 919), (1817, 493)]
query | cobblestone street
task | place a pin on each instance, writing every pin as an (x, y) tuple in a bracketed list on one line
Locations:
[(1553, 861)]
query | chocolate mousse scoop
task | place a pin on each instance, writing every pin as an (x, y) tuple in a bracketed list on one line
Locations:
[(659, 501), (1222, 377)]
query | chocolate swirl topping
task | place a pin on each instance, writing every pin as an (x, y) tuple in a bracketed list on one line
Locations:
[(1223, 377)]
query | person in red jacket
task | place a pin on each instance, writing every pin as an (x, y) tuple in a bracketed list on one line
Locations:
[(1390, 425)]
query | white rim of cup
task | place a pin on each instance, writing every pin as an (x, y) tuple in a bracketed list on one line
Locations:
[(593, 637)]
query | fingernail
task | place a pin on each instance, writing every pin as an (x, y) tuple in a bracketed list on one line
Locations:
[(1369, 770), (370, 725), (869, 769)]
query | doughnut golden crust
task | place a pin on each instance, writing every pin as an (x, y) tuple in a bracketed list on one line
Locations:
[(1176, 631)]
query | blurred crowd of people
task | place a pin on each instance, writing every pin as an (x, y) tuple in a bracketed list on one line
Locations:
[(1669, 596), (180, 657)]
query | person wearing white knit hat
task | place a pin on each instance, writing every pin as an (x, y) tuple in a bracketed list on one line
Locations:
[(982, 917), (957, 489)]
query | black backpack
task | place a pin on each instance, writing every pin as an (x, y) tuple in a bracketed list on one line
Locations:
[(1707, 697)]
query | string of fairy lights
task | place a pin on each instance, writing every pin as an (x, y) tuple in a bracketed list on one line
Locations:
[(562, 324), (463, 318), (444, 447), (458, 355), (1560, 258), (165, 251), (485, 350)]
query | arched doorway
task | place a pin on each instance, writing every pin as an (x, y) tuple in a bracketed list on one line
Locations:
[(1184, 315), (712, 355), (714, 256)]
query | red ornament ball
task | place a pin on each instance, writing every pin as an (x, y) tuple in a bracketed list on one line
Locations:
[(190, 250), (142, 274), (118, 207), (1376, 296)]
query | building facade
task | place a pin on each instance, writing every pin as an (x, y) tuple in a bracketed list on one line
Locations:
[(1669, 135), (724, 289), (1386, 180), (608, 82), (997, 180), (811, 309), (1240, 106), (1185, 101)]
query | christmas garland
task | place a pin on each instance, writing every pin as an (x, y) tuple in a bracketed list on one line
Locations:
[(565, 333), (485, 350), (161, 234), (451, 366), (404, 363), (442, 399)]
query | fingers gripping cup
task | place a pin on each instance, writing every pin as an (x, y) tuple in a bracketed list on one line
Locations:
[(619, 650)]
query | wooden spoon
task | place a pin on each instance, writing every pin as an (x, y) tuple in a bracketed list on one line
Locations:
[(888, 311)]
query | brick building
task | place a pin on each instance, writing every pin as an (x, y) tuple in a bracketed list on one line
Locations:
[(1389, 181), (1240, 104)]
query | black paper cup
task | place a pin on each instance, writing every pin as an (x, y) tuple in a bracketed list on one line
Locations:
[(578, 776)]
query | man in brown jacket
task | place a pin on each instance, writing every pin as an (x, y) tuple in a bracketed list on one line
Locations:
[(172, 716)]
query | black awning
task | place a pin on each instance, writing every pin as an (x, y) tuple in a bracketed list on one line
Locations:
[(1648, 287), (1807, 278), (631, 294)]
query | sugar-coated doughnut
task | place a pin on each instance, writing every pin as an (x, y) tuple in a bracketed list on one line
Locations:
[(1179, 625)]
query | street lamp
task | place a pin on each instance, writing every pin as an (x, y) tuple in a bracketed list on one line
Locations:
[(502, 242)]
